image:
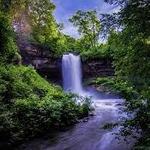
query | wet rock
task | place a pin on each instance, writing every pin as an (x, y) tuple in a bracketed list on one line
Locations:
[(91, 114), (85, 120), (100, 67)]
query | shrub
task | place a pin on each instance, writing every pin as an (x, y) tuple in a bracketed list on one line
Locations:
[(137, 102), (8, 51), (30, 105)]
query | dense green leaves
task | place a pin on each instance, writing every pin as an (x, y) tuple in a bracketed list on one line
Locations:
[(8, 48), (131, 53), (88, 26), (123, 88), (30, 105)]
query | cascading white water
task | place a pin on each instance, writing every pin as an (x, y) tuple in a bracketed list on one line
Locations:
[(71, 71), (88, 135)]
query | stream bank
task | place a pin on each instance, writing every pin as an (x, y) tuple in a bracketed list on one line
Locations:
[(89, 134)]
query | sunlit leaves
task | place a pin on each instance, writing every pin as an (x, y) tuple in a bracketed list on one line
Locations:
[(88, 26)]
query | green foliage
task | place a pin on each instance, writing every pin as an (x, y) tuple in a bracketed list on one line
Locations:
[(45, 30), (134, 101), (88, 26), (8, 49), (100, 52), (144, 143), (128, 57), (130, 49), (35, 22), (30, 105), (122, 87)]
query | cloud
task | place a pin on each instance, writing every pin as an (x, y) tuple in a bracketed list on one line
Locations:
[(71, 30), (66, 8), (107, 8)]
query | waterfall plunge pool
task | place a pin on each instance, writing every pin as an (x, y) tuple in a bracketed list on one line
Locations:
[(89, 135)]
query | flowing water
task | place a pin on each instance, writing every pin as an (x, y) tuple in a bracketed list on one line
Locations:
[(71, 72), (88, 134)]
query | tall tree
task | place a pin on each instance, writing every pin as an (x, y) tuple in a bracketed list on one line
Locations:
[(88, 26), (34, 19), (132, 40), (8, 49), (131, 48)]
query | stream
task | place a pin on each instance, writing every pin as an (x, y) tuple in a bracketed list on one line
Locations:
[(89, 134)]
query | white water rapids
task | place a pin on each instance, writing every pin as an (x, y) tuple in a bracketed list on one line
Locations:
[(72, 82)]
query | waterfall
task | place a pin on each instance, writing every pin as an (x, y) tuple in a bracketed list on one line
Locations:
[(71, 71)]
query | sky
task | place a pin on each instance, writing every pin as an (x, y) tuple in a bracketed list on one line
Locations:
[(67, 8)]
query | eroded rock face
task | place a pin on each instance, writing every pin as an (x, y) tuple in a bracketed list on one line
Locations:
[(34, 55), (51, 70), (90, 69), (94, 68), (40, 59)]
